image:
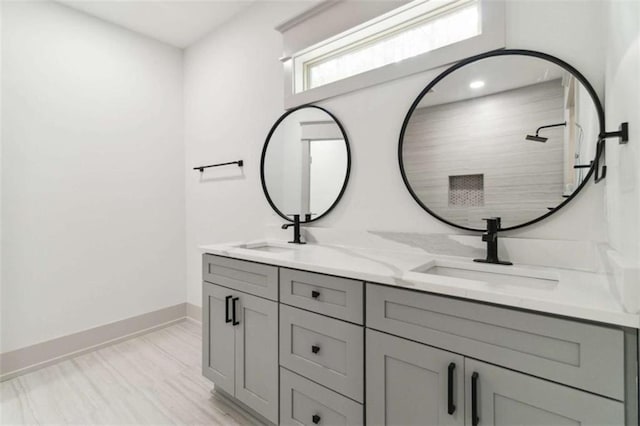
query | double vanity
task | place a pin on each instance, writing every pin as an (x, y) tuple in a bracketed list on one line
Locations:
[(328, 333), (332, 335)]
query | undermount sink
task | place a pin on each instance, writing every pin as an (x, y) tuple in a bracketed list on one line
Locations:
[(268, 247), (494, 275)]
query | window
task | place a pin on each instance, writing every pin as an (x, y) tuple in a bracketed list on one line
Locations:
[(414, 29), (338, 47)]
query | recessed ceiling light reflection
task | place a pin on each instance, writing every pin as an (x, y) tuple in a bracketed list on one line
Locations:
[(476, 84)]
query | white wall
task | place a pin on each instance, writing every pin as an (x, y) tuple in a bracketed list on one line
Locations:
[(233, 94), (92, 174), (623, 104), (1, 209), (93, 167), (224, 121)]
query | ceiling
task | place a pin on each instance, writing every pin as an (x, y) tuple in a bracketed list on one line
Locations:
[(176, 22), (499, 73)]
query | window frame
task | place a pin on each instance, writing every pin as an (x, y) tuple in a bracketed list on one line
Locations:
[(491, 37), (396, 21)]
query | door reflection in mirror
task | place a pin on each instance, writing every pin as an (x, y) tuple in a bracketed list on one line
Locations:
[(305, 163)]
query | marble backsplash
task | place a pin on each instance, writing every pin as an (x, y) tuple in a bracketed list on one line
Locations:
[(577, 255)]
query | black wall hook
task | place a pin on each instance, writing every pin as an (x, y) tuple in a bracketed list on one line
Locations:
[(623, 137), (622, 134)]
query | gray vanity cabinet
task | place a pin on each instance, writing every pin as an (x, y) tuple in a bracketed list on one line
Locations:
[(405, 377), (303, 348), (218, 338), (240, 347), (505, 397), (409, 383), (581, 355)]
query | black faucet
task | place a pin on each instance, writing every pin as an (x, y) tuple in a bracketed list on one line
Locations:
[(296, 229), (491, 238)]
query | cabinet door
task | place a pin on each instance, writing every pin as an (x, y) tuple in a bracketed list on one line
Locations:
[(408, 383), (584, 356), (504, 397), (257, 355), (218, 337)]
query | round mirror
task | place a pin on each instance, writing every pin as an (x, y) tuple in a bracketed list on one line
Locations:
[(305, 163), (509, 133)]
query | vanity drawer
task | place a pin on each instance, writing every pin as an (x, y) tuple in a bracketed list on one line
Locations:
[(326, 350), (303, 402), (253, 278), (581, 355), (332, 296)]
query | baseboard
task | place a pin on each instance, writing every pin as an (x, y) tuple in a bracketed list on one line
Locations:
[(256, 418), (194, 312), (30, 358)]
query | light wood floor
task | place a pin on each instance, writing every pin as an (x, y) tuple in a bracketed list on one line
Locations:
[(154, 379)]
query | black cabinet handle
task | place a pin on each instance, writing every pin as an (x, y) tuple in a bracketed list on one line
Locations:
[(315, 294), (226, 309), (315, 349), (315, 419), (475, 420), (233, 302), (451, 407)]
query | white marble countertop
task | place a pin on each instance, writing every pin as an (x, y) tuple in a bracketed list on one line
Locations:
[(571, 293)]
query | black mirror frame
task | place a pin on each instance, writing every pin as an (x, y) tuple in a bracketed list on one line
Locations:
[(464, 62), (264, 153)]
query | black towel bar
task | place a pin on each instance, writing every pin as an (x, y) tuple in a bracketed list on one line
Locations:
[(240, 163)]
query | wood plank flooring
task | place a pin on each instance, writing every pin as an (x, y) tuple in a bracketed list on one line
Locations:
[(154, 379)]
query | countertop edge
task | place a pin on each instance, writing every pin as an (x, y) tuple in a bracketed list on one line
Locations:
[(622, 319)]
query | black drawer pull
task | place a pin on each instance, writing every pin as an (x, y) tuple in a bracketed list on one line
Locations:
[(451, 407), (226, 309), (315, 349), (233, 303), (475, 420), (315, 419), (315, 294)]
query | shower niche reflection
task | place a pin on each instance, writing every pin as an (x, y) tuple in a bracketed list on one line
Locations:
[(510, 134)]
